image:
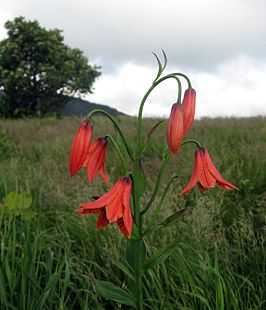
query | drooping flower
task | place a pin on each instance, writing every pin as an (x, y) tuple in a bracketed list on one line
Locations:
[(205, 174), (114, 206), (175, 128), (80, 147), (189, 106), (95, 159)]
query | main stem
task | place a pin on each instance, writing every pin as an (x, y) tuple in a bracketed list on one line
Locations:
[(138, 221), (139, 288)]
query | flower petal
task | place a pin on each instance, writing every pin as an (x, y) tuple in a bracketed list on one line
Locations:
[(96, 158), (127, 218), (103, 175), (206, 179), (102, 219), (195, 174), (121, 225), (80, 147), (215, 173), (114, 210), (106, 198), (87, 211)]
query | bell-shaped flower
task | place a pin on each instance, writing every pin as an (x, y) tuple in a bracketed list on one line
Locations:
[(114, 206), (189, 106), (80, 147), (205, 174), (175, 128), (94, 162)]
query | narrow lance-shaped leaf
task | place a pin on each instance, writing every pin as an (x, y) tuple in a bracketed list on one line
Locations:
[(112, 292), (168, 221), (133, 247), (160, 256), (124, 268)]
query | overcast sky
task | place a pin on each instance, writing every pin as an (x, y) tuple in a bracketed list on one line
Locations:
[(220, 44)]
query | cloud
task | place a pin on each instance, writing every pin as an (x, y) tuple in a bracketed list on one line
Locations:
[(234, 88), (196, 34), (4, 16), (220, 44)]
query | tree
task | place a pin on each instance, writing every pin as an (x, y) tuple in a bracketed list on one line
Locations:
[(38, 71)]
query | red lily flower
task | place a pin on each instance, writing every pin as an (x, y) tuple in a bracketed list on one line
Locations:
[(95, 159), (189, 106), (175, 128), (205, 174), (80, 147), (114, 206)]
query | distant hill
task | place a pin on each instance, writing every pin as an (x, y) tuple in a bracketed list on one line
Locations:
[(80, 107)]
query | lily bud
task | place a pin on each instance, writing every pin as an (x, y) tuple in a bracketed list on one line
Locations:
[(189, 106), (175, 128)]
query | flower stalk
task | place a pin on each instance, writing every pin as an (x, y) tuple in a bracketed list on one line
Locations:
[(123, 137)]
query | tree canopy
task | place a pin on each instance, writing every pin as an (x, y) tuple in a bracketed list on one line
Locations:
[(38, 71)]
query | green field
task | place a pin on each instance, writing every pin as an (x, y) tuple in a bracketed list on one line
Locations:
[(50, 260)]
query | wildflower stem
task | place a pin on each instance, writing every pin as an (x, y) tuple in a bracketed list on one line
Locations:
[(139, 283), (184, 76), (127, 146), (158, 209), (135, 194), (155, 83), (191, 141), (119, 152), (157, 185), (138, 249)]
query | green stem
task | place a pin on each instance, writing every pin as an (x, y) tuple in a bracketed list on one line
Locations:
[(191, 141), (184, 76), (136, 196), (156, 83), (117, 127), (157, 185), (138, 221), (139, 281), (119, 153)]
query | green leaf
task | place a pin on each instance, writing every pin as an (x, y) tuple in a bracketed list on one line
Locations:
[(165, 59), (12, 200), (135, 232), (160, 67), (27, 214), (151, 131), (15, 201), (133, 248), (124, 268), (112, 292), (173, 217), (168, 221), (160, 256)]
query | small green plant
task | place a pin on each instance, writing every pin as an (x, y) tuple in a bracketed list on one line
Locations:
[(18, 204)]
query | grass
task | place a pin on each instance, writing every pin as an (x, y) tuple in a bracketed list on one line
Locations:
[(52, 261)]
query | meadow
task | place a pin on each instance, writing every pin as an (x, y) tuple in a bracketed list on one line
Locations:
[(51, 258)]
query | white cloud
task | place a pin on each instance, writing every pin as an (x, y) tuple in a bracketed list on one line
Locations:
[(235, 88), (194, 33), (204, 38), (4, 16)]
